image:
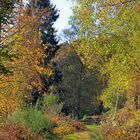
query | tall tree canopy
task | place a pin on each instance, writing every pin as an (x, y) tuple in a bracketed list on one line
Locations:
[(108, 41), (48, 36), (47, 30), (26, 65)]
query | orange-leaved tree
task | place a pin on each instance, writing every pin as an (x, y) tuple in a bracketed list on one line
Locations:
[(26, 64)]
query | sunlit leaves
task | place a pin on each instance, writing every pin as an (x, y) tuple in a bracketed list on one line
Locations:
[(27, 63), (8, 104), (109, 41)]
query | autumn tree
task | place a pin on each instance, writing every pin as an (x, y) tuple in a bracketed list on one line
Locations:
[(27, 63), (48, 37), (109, 42)]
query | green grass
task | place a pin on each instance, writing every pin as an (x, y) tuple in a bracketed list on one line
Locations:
[(34, 119), (95, 133), (70, 137), (92, 133)]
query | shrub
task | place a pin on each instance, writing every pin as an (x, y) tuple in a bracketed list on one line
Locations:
[(54, 110), (63, 129), (51, 105), (85, 117), (49, 100), (126, 126), (8, 104), (66, 125), (134, 131), (116, 133), (123, 133), (79, 126), (13, 131), (34, 119)]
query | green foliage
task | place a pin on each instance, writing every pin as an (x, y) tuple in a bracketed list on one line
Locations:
[(109, 98), (80, 86), (34, 119), (49, 100), (70, 137), (85, 117), (4, 56), (51, 105), (96, 132), (108, 41), (48, 32), (103, 58)]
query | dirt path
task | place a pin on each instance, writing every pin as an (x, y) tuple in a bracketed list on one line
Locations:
[(84, 136), (91, 133), (78, 136)]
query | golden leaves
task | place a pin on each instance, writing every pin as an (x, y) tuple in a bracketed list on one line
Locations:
[(27, 64), (8, 104)]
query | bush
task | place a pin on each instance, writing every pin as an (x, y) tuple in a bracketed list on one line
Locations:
[(126, 126), (34, 119), (63, 129), (51, 105), (134, 131), (123, 133), (49, 100), (8, 104), (65, 125), (13, 131), (54, 110), (79, 126)]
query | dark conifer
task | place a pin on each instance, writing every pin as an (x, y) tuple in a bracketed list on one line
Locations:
[(47, 30)]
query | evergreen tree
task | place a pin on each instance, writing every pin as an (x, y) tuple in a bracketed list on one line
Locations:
[(47, 30), (48, 38)]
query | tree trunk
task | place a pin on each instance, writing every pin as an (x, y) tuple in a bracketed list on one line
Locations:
[(115, 110), (78, 101)]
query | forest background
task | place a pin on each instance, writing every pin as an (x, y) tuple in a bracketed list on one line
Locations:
[(50, 89)]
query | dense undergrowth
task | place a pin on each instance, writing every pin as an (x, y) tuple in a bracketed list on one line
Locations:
[(38, 123)]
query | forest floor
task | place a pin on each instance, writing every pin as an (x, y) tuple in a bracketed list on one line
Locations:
[(91, 133)]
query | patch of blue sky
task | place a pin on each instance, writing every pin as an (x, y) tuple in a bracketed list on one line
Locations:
[(64, 7)]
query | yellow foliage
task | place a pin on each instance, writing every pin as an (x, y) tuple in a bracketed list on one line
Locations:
[(63, 129), (27, 63), (8, 104)]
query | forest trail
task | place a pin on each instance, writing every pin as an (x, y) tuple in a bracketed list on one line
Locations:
[(85, 135), (91, 133)]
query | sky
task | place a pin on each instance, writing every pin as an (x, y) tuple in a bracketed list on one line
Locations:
[(65, 11), (64, 7)]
